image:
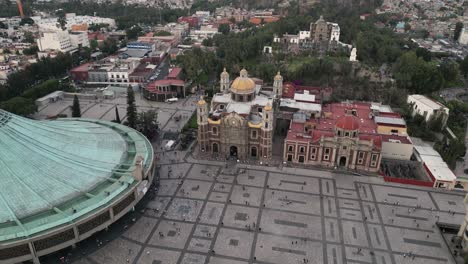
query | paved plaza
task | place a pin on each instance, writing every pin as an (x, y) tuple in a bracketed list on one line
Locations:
[(207, 213), (104, 109)]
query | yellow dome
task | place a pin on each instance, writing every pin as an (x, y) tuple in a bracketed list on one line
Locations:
[(268, 107), (278, 77), (243, 84)]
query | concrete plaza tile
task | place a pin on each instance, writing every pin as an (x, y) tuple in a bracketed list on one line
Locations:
[(403, 196), (351, 214), (252, 178), (334, 254), (280, 250), (203, 172), (446, 202), (141, 229), (417, 242), (354, 234), (194, 189), (246, 195), (168, 187), (221, 260), (218, 197), (400, 259), (293, 183), (225, 178), (329, 207), (291, 224), (290, 201), (365, 192), (377, 236), (174, 234), (156, 207), (222, 187), (200, 244), (240, 216), (328, 187), (234, 243), (332, 232), (204, 231), (347, 193), (370, 211), (353, 254), (407, 217), (184, 209), (190, 258), (212, 213), (152, 255), (382, 257), (117, 251), (349, 204), (174, 172)]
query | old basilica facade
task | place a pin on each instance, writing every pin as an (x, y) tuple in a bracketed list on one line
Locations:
[(239, 122)]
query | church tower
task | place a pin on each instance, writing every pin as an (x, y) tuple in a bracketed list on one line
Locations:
[(202, 121), (278, 85), (224, 81), (267, 132)]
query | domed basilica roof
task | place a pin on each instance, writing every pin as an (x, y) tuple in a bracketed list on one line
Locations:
[(243, 83)]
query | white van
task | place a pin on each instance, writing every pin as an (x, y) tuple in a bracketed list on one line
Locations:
[(172, 100), (169, 145)]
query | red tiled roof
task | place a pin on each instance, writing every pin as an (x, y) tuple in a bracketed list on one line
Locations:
[(81, 68), (347, 122), (174, 73), (402, 139)]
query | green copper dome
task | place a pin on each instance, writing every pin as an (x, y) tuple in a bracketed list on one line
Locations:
[(55, 172)]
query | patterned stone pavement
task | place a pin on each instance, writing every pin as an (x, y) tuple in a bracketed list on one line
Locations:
[(205, 213)]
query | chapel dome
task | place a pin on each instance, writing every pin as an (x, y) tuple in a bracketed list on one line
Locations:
[(347, 122), (243, 83)]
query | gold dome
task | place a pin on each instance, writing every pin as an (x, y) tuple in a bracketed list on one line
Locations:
[(201, 101), (243, 83), (268, 107), (278, 77)]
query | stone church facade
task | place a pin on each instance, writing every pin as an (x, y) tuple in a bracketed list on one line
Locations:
[(239, 122)]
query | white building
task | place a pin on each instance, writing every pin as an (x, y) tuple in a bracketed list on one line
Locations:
[(73, 19), (427, 107), (55, 40), (204, 32), (463, 39), (79, 39)]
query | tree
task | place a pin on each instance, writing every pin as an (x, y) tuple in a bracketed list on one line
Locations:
[(117, 116), (449, 70), (76, 111), (93, 44), (458, 29), (19, 105), (224, 29), (423, 53), (147, 123), (131, 108), (27, 20), (133, 32), (29, 37), (464, 66), (61, 20)]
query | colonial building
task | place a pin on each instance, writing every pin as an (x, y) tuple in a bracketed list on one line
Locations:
[(240, 120), (345, 135), (322, 35)]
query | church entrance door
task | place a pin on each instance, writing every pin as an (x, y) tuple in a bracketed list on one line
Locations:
[(233, 151), (342, 161)]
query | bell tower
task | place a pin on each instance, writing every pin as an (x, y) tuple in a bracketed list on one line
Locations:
[(202, 121), (278, 85), (267, 132), (224, 81)]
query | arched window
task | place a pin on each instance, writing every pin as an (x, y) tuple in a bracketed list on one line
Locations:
[(290, 148), (215, 147), (215, 130)]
